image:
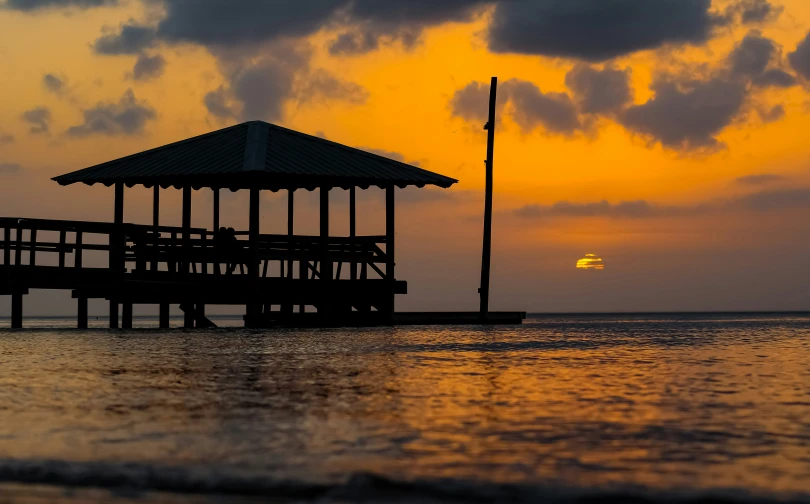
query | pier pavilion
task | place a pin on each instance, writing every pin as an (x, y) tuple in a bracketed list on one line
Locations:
[(287, 279)]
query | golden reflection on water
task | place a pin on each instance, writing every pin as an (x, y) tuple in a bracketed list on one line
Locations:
[(691, 405)]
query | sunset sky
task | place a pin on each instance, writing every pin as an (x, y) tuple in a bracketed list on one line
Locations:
[(669, 137)]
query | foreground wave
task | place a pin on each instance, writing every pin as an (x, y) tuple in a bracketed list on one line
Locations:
[(135, 479)]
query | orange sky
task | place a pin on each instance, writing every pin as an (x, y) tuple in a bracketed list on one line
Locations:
[(703, 247)]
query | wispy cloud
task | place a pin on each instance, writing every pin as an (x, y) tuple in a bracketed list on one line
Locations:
[(759, 202)]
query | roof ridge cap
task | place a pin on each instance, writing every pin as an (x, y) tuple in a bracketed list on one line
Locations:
[(256, 146)]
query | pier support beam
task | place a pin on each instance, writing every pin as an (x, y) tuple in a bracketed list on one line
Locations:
[(17, 310), (126, 315), (200, 315), (164, 315), (113, 314), (81, 318)]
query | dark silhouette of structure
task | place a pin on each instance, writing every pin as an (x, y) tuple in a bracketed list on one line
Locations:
[(486, 253), (193, 267)]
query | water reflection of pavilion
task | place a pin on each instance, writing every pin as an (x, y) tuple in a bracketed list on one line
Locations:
[(348, 279)]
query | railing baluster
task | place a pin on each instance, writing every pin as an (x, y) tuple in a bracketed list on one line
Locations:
[(62, 240)]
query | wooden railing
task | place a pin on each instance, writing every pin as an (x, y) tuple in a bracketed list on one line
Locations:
[(149, 250)]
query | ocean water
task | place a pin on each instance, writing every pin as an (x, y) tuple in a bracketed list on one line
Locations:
[(642, 408)]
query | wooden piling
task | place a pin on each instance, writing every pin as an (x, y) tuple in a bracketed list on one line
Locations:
[(164, 316), (126, 315), (113, 314), (81, 318), (17, 310)]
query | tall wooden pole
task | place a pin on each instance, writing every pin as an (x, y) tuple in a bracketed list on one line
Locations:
[(487, 252), (156, 225)]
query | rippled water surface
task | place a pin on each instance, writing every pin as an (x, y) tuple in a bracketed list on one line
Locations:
[(659, 403)]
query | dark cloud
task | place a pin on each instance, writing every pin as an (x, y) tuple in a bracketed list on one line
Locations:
[(54, 83), (39, 118), (321, 85), (217, 104), (774, 77), (759, 202), (597, 30), (751, 58), (127, 117), (757, 180), (354, 43), (531, 108), (774, 200), (148, 67), (599, 91), (7, 168), (624, 210), (772, 114), (32, 5), (263, 88), (375, 22), (227, 23), (800, 58), (6, 138), (687, 115), (129, 39), (756, 11), (471, 102)]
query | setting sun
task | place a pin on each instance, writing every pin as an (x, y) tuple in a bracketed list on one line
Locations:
[(591, 262)]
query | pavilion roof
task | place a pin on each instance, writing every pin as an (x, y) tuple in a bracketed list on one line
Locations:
[(256, 155)]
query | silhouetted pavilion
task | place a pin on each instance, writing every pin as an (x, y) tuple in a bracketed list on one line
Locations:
[(195, 267)]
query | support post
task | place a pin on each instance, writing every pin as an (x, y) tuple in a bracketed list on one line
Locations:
[(216, 210), (254, 309), (287, 308), (390, 221), (353, 230), (17, 310), (117, 247), (326, 264), (164, 316), (126, 315), (81, 321), (156, 226), (487, 248), (186, 264), (200, 313), (113, 314)]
